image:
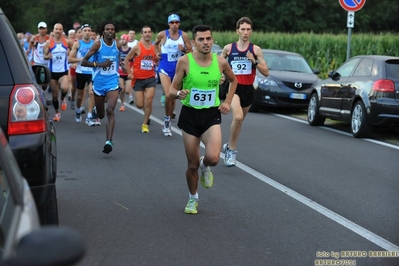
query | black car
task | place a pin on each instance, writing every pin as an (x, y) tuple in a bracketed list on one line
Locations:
[(25, 121), (289, 83), (364, 92)]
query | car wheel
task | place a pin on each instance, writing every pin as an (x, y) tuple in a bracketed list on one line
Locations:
[(360, 128), (49, 212), (314, 118)]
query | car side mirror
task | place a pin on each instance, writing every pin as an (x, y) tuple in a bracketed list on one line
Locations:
[(334, 75), (316, 71), (49, 245), (42, 74)]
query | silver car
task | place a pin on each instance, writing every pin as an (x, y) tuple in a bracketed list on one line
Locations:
[(22, 240)]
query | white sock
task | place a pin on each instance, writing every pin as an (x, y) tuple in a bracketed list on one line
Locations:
[(89, 115), (193, 196), (167, 118)]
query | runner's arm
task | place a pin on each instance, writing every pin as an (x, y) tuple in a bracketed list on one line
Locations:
[(181, 67), (72, 55), (158, 41), (85, 61), (46, 50), (229, 74), (226, 51), (132, 53), (262, 65), (187, 43)]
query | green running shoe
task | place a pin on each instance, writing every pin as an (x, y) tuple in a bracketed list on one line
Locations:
[(191, 207)]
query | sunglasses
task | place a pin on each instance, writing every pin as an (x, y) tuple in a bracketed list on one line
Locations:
[(174, 22), (85, 26)]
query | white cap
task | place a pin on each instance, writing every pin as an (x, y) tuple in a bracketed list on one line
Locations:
[(71, 31), (42, 25)]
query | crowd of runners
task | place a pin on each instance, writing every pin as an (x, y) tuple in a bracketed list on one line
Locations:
[(93, 65)]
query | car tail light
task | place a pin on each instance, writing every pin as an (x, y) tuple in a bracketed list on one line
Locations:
[(26, 114), (384, 85)]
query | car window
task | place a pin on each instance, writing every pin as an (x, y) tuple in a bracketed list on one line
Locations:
[(347, 68), (285, 62), (392, 68), (5, 77), (364, 68)]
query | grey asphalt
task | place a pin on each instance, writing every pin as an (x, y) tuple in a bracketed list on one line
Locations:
[(128, 205)]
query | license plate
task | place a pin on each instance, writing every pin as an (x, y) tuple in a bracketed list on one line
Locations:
[(300, 96)]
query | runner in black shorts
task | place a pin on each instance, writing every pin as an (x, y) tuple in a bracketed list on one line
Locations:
[(198, 74), (244, 58)]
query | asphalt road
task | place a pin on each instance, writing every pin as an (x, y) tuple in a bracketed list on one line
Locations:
[(300, 195)]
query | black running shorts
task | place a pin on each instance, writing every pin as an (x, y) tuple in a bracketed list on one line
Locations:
[(196, 121)]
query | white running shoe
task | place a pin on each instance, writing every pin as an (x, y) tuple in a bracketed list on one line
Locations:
[(78, 118), (229, 155), (90, 122), (167, 129)]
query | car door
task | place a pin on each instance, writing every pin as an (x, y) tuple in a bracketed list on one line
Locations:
[(356, 82), (332, 88)]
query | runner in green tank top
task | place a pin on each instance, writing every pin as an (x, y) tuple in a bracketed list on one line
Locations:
[(203, 88), (199, 72)]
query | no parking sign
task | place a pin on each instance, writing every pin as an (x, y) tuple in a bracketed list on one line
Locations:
[(352, 5)]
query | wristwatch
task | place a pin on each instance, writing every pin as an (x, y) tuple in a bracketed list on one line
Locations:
[(177, 95), (256, 63)]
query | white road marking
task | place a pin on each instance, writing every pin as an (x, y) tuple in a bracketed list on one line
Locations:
[(379, 241), (120, 205)]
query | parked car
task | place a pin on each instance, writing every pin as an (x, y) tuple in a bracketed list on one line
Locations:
[(364, 92), (25, 121), (23, 241), (216, 49), (289, 83)]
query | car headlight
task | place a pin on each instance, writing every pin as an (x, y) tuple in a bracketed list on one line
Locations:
[(264, 82)]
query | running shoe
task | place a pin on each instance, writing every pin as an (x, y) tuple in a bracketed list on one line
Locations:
[(144, 128), (131, 101), (166, 129), (163, 99), (72, 104), (191, 207), (78, 118), (122, 108), (173, 115), (107, 147), (57, 117), (82, 110), (90, 122), (229, 155), (63, 105), (206, 176), (97, 122)]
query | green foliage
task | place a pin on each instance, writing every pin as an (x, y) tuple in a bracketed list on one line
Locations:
[(277, 24), (323, 51)]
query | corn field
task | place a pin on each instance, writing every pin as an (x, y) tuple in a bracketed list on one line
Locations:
[(322, 51)]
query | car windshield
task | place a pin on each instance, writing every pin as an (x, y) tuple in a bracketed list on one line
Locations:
[(286, 62)]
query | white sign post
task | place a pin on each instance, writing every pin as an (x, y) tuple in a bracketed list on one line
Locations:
[(351, 6)]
